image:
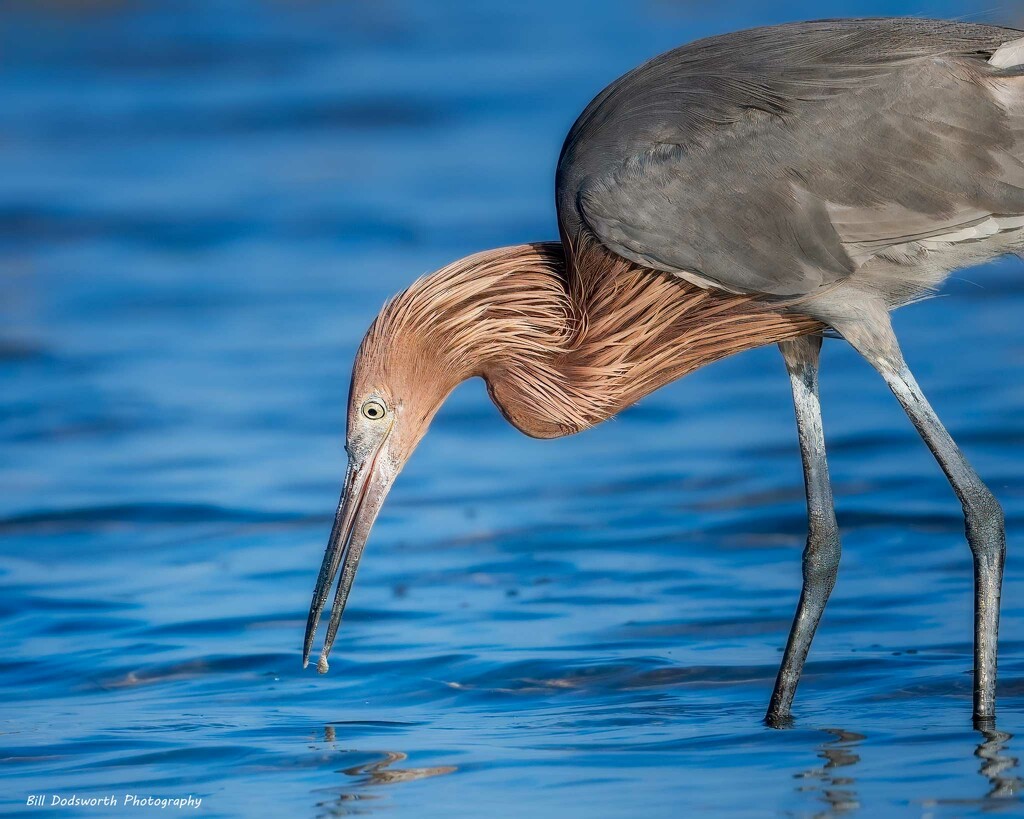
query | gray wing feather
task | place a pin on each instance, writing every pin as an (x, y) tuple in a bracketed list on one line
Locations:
[(779, 160)]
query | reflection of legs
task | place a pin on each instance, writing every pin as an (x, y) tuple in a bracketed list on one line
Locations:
[(821, 554), (994, 765), (838, 786), (874, 339)]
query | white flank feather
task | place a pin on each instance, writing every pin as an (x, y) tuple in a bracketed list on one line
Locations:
[(1009, 54)]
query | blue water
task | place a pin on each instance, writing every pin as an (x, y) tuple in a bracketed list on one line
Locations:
[(202, 206)]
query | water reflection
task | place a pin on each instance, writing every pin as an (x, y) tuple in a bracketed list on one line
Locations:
[(346, 801), (998, 768), (345, 804), (995, 765), (837, 790), (380, 773)]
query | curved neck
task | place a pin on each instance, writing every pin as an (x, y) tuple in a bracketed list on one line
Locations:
[(629, 330), (563, 343)]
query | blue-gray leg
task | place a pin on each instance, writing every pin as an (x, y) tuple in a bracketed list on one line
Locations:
[(872, 336), (821, 554)]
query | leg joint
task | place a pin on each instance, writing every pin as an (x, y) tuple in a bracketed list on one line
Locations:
[(985, 521), (821, 556)]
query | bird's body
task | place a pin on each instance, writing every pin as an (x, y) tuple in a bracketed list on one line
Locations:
[(783, 160), (754, 188)]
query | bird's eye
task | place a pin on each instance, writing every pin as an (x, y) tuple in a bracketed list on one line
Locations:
[(374, 409)]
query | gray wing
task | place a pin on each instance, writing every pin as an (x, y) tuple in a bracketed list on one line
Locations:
[(779, 160)]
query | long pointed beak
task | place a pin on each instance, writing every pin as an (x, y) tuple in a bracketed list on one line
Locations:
[(361, 499)]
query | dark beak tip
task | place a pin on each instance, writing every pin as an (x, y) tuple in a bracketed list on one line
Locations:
[(348, 536)]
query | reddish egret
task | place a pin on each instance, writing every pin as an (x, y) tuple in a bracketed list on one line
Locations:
[(753, 188)]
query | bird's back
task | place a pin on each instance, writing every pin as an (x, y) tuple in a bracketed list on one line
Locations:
[(783, 159)]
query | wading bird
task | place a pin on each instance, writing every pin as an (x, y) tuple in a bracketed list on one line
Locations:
[(761, 187)]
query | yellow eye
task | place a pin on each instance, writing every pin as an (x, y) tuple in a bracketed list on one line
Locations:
[(373, 409)]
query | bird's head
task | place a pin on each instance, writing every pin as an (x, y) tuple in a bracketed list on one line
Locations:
[(487, 315), (387, 417)]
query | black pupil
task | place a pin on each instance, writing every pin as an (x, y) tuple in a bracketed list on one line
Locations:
[(373, 411)]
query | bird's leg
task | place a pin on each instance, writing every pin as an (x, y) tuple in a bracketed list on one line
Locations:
[(821, 554), (873, 338)]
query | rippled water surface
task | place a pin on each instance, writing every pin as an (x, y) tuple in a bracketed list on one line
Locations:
[(202, 205)]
